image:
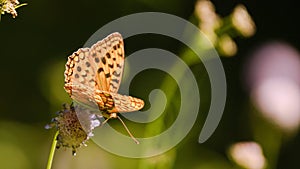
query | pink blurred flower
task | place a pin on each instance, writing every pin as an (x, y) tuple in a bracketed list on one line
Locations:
[(274, 80)]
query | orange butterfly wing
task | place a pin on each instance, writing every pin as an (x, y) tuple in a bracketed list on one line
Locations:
[(93, 76)]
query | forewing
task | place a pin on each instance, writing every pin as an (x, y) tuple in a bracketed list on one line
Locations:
[(109, 57)]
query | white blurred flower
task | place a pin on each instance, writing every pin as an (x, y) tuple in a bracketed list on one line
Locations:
[(227, 46), (242, 21), (205, 10), (274, 81), (209, 20), (248, 155)]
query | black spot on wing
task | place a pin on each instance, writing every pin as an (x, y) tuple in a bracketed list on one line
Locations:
[(119, 66), (113, 86), (100, 70), (103, 60), (115, 80), (111, 65), (116, 74), (97, 60), (107, 75)]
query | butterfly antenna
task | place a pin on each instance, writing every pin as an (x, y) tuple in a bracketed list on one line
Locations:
[(133, 138)]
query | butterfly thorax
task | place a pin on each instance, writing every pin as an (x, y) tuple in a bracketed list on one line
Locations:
[(106, 104)]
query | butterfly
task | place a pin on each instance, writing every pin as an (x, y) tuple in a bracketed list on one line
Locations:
[(93, 76)]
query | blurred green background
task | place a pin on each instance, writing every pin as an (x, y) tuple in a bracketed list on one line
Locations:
[(34, 47)]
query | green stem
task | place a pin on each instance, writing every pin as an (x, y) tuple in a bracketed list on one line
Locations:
[(170, 90), (274, 150), (52, 151), (226, 27), (18, 6)]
